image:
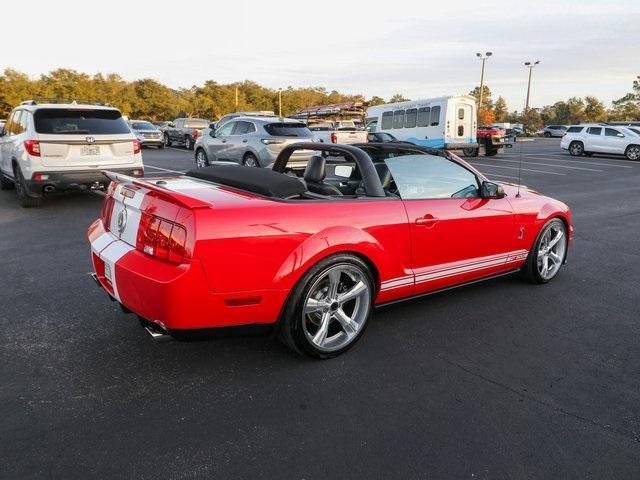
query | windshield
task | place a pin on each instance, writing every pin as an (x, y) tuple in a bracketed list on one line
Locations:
[(62, 121), (288, 130), (430, 177), (142, 126), (196, 123)]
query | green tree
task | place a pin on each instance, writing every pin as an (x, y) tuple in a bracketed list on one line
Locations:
[(500, 110), (398, 97), (375, 100), (594, 110), (487, 103), (577, 114), (531, 121)]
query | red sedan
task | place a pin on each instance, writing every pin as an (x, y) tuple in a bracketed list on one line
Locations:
[(311, 248)]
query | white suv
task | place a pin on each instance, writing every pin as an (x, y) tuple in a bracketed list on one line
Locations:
[(53, 147), (601, 138)]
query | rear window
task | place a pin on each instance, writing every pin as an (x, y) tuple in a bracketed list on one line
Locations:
[(61, 121), (574, 129), (287, 130), (142, 126), (196, 123)]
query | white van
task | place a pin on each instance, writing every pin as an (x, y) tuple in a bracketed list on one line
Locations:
[(445, 122)]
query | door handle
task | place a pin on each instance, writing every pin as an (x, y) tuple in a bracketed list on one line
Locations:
[(244, 141), (223, 141), (428, 220)]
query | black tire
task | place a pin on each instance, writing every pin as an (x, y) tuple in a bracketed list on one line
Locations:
[(188, 143), (161, 146), (167, 140), (203, 161), (250, 160), (470, 152), (632, 152), (576, 149), (291, 330), (529, 270), (491, 153), (26, 200), (588, 154), (547, 134), (5, 183)]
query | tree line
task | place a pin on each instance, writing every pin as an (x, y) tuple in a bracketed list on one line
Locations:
[(150, 99), (572, 111)]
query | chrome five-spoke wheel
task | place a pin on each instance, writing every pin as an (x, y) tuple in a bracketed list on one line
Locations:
[(336, 307), (201, 159), (552, 249), (328, 309)]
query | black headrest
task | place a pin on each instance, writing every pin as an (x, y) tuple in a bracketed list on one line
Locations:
[(262, 181), (384, 174), (315, 170)]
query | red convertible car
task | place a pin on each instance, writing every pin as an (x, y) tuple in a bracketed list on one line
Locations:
[(311, 248)]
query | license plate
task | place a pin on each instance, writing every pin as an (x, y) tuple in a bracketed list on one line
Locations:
[(107, 272), (90, 150)]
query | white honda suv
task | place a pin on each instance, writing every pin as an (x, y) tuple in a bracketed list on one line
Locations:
[(602, 138), (52, 147)]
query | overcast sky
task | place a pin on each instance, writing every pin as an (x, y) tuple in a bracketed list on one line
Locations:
[(417, 48)]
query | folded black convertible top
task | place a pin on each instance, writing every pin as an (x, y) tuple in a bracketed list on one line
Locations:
[(262, 181)]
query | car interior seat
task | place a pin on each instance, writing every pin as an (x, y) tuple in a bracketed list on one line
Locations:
[(314, 175)]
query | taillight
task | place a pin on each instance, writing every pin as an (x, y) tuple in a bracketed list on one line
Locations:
[(334, 137), (32, 147), (107, 208), (162, 238), (195, 134), (136, 147)]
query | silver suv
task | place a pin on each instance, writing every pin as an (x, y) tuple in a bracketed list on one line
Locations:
[(52, 147), (252, 141)]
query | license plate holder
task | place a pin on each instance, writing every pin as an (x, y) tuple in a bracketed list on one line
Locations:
[(90, 150), (107, 272)]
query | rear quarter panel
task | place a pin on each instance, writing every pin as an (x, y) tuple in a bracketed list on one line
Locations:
[(267, 244)]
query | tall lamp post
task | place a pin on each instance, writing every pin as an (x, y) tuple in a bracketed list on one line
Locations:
[(280, 102), (484, 59), (530, 66)]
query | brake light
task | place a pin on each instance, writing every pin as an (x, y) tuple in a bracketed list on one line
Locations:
[(334, 137), (107, 208), (161, 238), (195, 134), (32, 147), (136, 147)]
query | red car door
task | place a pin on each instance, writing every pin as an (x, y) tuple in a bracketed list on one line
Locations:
[(456, 236)]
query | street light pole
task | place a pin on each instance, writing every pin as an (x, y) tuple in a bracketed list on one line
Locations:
[(530, 66), (280, 102), (483, 58)]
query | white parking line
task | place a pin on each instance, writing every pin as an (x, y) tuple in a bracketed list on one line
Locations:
[(563, 155), (184, 150), (517, 168), (501, 176), (164, 169), (542, 157), (546, 164)]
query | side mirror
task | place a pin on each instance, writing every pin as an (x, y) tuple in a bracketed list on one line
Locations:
[(212, 125), (621, 135), (212, 133), (491, 190), (171, 125)]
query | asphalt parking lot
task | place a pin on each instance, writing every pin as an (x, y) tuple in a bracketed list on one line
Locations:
[(495, 380)]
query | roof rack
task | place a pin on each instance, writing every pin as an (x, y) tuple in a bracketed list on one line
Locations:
[(73, 101)]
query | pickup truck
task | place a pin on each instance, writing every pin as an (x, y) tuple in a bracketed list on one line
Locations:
[(490, 141), (343, 132), (184, 131)]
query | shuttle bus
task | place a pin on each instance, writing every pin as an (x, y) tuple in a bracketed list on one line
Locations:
[(444, 122)]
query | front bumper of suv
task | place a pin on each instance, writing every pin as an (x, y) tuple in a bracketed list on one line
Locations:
[(49, 182)]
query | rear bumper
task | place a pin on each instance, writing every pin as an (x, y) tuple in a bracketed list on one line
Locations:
[(151, 142), (176, 297), (73, 180)]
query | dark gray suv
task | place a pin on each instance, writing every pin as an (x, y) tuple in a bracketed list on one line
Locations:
[(252, 141)]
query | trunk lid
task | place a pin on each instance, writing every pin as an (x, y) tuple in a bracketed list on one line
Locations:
[(86, 150)]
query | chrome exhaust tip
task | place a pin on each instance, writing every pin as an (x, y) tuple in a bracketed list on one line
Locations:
[(49, 188), (157, 333)]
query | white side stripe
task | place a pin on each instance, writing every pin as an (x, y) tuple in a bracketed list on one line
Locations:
[(110, 256)]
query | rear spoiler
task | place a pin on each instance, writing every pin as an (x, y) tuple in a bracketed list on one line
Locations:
[(181, 199)]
